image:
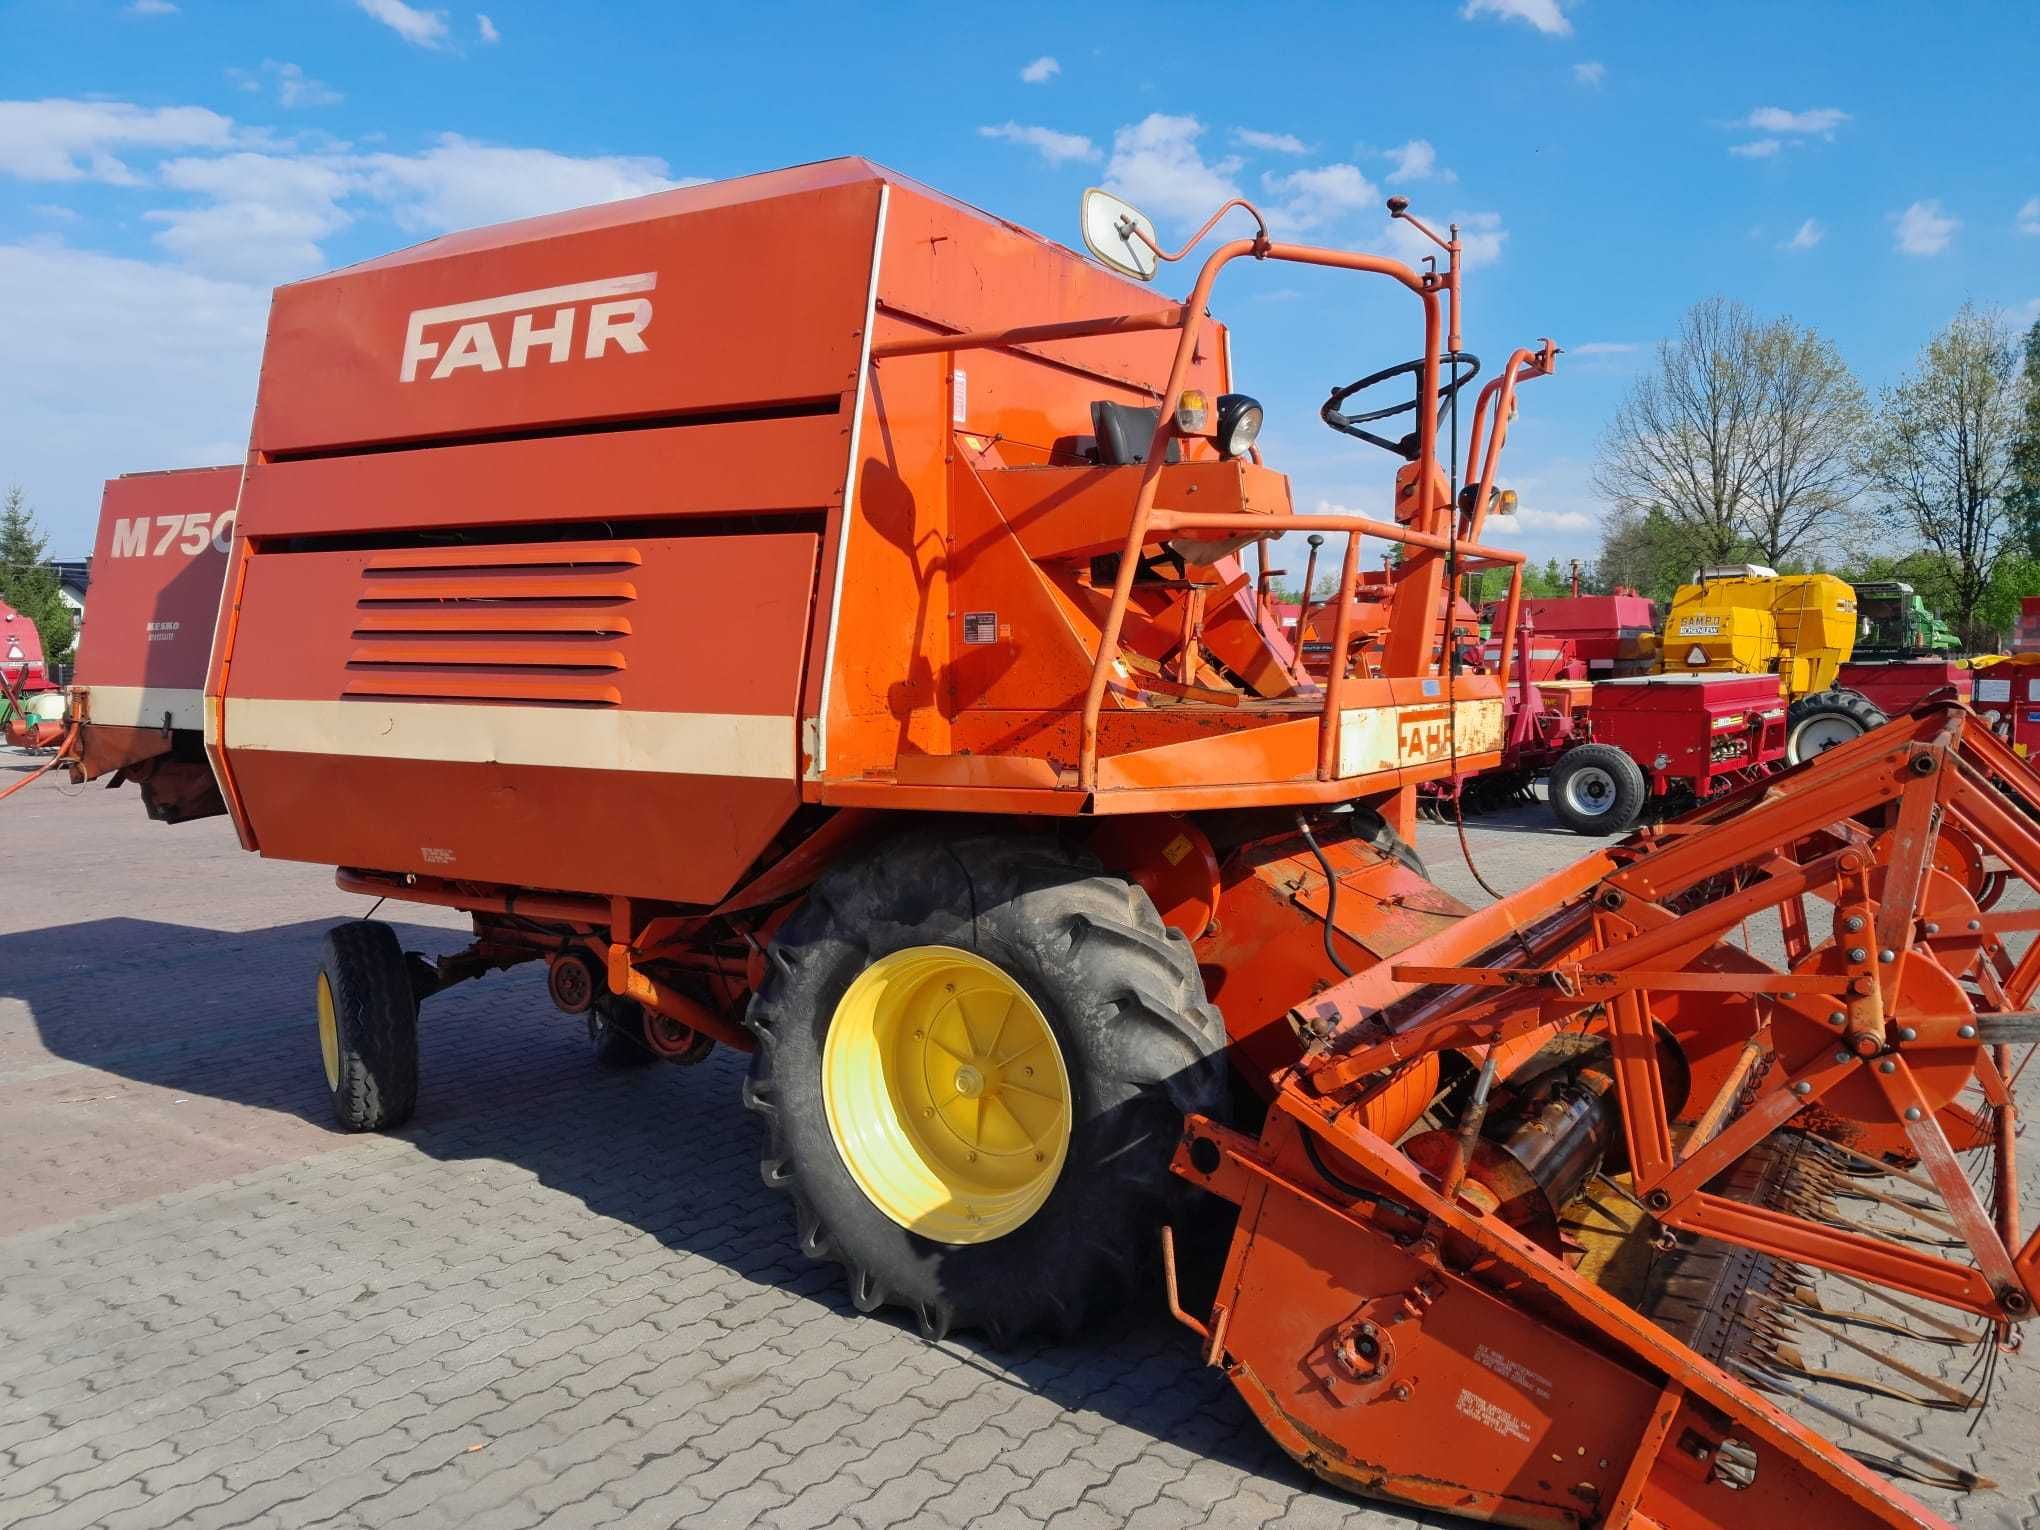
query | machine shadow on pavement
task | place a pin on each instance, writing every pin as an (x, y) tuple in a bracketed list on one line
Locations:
[(666, 1149)]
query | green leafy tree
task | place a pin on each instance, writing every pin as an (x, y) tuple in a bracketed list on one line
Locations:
[(1940, 458), (27, 582), (2025, 496), (2015, 575), (1653, 553), (1684, 444), (1809, 437)]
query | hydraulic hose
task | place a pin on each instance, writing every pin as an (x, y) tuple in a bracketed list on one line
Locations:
[(1331, 895)]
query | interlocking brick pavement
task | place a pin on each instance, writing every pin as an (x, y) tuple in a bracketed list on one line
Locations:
[(559, 1297)]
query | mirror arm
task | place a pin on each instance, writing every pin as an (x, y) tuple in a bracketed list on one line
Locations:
[(1260, 242)]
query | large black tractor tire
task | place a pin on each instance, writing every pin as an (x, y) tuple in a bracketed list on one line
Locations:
[(1120, 996), (368, 1026), (1597, 789), (1817, 723)]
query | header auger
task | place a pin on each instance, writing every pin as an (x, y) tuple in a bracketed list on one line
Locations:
[(808, 617), (1805, 991)]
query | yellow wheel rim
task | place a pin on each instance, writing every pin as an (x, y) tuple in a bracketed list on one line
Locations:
[(329, 1034), (946, 1093)]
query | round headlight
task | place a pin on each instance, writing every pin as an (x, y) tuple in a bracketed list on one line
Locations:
[(1239, 424)]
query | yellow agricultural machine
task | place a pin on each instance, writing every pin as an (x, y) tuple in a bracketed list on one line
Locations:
[(1746, 619)]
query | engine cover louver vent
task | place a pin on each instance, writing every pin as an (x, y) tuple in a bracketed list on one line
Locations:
[(531, 622)]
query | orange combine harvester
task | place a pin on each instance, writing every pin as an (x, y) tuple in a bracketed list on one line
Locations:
[(808, 615)]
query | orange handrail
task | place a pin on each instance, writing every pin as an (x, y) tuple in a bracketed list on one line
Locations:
[(1410, 641), (1355, 527)]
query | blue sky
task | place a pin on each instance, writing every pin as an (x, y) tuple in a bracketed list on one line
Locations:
[(1865, 168)]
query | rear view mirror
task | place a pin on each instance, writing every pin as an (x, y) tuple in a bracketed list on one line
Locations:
[(1119, 235)]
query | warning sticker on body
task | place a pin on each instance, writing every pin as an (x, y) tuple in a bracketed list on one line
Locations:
[(981, 626), (1993, 690), (1529, 1380), (1496, 1417)]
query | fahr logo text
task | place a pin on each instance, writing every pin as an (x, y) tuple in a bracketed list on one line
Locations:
[(1423, 740), (554, 324)]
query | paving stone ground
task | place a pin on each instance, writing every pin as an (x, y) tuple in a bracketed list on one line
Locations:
[(558, 1297)]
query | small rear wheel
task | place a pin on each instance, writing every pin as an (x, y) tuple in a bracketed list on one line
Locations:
[(1820, 722), (1597, 789), (368, 1026)]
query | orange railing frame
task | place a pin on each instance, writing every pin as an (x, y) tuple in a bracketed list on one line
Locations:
[(1410, 639), (1522, 365)]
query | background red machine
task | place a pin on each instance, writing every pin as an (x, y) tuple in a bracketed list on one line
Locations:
[(26, 719), (138, 695)]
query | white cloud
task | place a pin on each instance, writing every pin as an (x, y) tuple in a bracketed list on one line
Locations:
[(1821, 120), (117, 366), (459, 183), (263, 215), (248, 208), (1591, 73), (1810, 234), (1545, 15), (294, 88), (1272, 143), (1481, 237), (486, 29), (1603, 348), (1529, 519), (1923, 229), (122, 364), (2029, 217), (1041, 71), (1156, 166), (1415, 161), (426, 29), (57, 140), (1314, 197), (152, 8), (1057, 148), (55, 212), (1762, 148), (2026, 314)]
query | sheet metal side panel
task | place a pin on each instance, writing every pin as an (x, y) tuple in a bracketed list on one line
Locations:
[(152, 611), (886, 686), (751, 303), (671, 794), (717, 624), (740, 468)]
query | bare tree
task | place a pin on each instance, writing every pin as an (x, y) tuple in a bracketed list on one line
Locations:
[(1808, 443), (1942, 452), (1685, 442)]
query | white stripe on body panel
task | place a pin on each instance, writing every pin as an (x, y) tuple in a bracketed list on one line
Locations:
[(143, 706), (665, 743)]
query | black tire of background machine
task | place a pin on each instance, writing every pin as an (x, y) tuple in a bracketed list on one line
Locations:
[(616, 1031), (375, 1013), (1121, 992), (1630, 792), (1850, 706)]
